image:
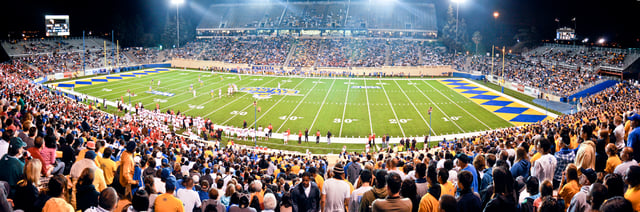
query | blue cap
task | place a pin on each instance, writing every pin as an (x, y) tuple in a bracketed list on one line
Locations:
[(166, 173), (16, 143), (164, 160), (90, 155), (634, 117), (170, 183)]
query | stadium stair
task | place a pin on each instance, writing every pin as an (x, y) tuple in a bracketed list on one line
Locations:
[(590, 91), (292, 50)]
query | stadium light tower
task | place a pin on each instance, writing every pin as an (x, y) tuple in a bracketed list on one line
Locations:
[(458, 2), (177, 3)]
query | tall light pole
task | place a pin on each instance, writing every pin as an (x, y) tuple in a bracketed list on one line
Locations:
[(496, 14), (177, 3), (457, 8)]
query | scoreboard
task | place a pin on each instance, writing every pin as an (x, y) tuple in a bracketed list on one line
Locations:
[(565, 33), (57, 25)]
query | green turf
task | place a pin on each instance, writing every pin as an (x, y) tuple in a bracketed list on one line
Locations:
[(399, 107)]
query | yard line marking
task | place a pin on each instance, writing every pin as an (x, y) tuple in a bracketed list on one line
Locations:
[(274, 105), (345, 108), (202, 94), (443, 113), (219, 108), (322, 105), (299, 103), (368, 109), (208, 101), (414, 107), (393, 110), (476, 118)]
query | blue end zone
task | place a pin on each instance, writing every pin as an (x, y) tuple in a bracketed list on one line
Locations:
[(474, 92), (82, 83), (487, 97), (114, 77), (66, 85), (528, 118), (162, 69), (451, 80), (151, 71), (516, 110), (99, 80), (458, 83), (127, 75), (465, 87), (140, 73), (497, 103)]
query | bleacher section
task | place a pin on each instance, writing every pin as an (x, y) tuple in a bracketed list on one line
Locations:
[(338, 18), (592, 90)]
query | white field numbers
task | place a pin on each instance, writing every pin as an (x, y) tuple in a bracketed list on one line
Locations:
[(346, 121), (452, 118), (402, 121), (292, 118), (241, 113)]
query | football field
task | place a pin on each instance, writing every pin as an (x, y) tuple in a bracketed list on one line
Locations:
[(348, 107)]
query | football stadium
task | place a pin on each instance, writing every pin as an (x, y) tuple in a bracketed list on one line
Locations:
[(319, 105)]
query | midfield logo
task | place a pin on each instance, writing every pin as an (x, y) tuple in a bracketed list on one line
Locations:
[(265, 93)]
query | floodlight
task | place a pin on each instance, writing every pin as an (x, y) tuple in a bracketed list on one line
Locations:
[(496, 14), (458, 1), (178, 2), (601, 41)]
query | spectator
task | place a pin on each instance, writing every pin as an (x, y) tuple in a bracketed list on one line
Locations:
[(613, 160), (597, 195), (522, 165), (107, 165), (545, 166), (421, 180), (190, 198), (57, 190), (378, 192), (633, 192), (487, 177), (448, 203), (285, 203), (530, 195), (270, 202), (463, 163), (633, 140), (306, 195), (550, 204), (546, 190), (447, 186), (579, 200), (107, 201), (393, 201), (167, 202), (335, 193), (615, 185), (27, 189), (503, 191), (12, 164), (356, 195), (212, 203), (563, 157), (127, 169), (627, 161), (86, 193), (616, 204), (569, 185), (353, 170), (139, 202), (468, 201), (408, 190)]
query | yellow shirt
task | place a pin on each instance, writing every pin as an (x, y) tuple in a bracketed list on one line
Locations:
[(428, 203), (109, 168), (535, 157), (295, 169), (168, 203), (448, 188), (612, 162), (319, 181), (568, 190), (57, 205), (633, 195)]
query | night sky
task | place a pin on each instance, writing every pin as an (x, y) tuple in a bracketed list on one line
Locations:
[(615, 20)]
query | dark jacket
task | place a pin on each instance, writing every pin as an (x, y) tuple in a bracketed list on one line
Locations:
[(302, 203), (353, 172), (521, 168), (469, 202), (212, 203), (86, 196), (501, 203), (24, 198), (370, 196)]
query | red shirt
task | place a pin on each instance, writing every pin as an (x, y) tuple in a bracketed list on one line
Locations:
[(318, 133)]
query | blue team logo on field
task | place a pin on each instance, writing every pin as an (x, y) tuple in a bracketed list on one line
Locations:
[(264, 93), (161, 93)]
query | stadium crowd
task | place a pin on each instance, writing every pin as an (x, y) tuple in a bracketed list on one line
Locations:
[(62, 154)]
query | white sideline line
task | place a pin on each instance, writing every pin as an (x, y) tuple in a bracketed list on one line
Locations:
[(445, 96), (368, 108), (393, 110), (296, 108), (414, 107), (274, 105), (443, 113), (345, 108), (216, 110), (322, 105)]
